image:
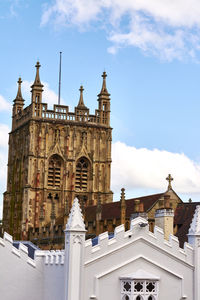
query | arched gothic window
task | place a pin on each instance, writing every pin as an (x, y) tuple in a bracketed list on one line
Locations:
[(82, 170), (54, 171)]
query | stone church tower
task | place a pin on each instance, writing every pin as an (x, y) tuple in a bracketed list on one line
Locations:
[(54, 156)]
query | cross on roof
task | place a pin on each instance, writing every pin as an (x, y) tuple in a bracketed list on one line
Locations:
[(169, 179)]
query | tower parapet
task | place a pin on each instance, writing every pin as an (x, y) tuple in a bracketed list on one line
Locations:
[(60, 113)]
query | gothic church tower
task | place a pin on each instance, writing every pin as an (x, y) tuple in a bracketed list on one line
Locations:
[(55, 156)]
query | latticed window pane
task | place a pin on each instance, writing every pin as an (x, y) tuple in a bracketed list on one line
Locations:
[(150, 286), (138, 286), (139, 289), (54, 171), (82, 174), (127, 286)]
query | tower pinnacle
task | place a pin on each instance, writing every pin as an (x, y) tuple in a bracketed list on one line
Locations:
[(104, 102), (81, 102), (37, 81), (37, 86), (18, 101), (19, 92), (104, 90)]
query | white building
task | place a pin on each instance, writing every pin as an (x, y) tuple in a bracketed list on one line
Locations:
[(136, 264)]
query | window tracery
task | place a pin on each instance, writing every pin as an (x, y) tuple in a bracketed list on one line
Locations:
[(139, 289)]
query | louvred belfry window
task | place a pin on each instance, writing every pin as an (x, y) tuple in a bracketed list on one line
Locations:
[(82, 174), (54, 171)]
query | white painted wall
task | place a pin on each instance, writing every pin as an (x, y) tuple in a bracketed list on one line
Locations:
[(138, 249), (19, 277), (95, 271), (22, 278)]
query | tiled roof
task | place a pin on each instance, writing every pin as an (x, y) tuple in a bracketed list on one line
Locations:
[(183, 218), (112, 210), (148, 202)]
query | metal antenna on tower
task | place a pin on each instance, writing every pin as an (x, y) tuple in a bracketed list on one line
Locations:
[(59, 87)]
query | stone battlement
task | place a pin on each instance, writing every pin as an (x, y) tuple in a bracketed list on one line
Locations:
[(51, 257), (22, 252), (59, 113), (139, 230)]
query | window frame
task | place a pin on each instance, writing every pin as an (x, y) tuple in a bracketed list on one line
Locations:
[(82, 174), (55, 171), (144, 293)]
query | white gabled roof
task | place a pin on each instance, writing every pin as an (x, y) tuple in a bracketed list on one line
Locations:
[(195, 225), (75, 221), (140, 274)]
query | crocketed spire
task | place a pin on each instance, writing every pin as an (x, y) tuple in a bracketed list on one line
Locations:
[(75, 221), (81, 102), (195, 225)]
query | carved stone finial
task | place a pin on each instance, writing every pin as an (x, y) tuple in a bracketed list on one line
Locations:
[(104, 88), (37, 82), (37, 77), (19, 92), (19, 99), (81, 102), (75, 221), (169, 179)]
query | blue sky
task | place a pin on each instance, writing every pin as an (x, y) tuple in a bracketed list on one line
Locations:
[(150, 51)]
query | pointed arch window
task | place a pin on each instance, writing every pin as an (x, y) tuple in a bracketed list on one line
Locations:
[(82, 170), (54, 171)]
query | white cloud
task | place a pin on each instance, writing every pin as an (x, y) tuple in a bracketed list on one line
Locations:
[(137, 169), (4, 130), (4, 104), (168, 29), (49, 96), (147, 169)]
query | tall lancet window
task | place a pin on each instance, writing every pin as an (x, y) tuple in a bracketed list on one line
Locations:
[(82, 170), (54, 171)]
